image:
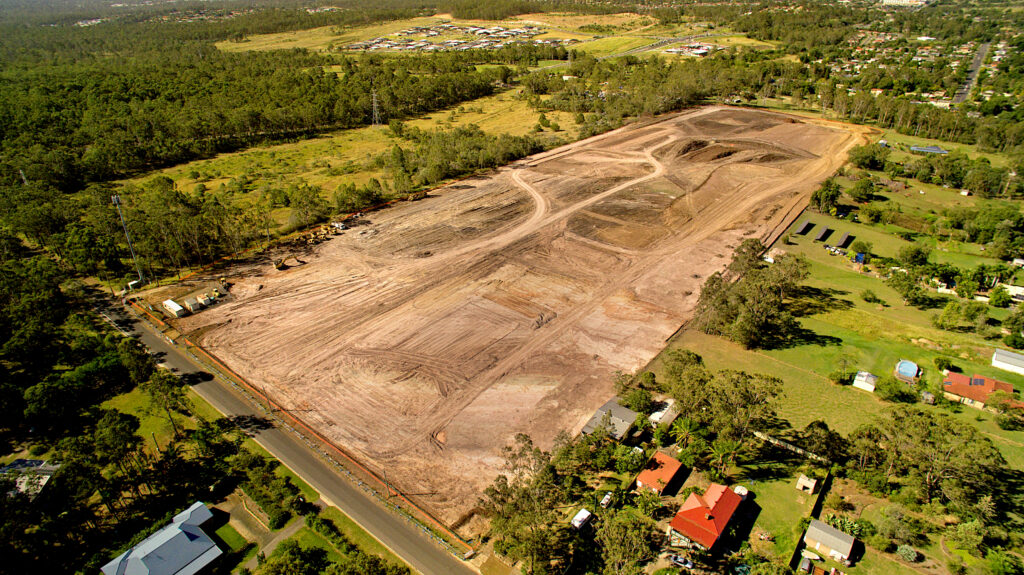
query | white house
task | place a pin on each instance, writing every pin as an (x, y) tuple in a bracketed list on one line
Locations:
[(173, 308), (866, 381), (1008, 361)]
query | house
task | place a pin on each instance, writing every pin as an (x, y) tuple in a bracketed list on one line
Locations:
[(618, 419), (702, 519), (1008, 361), (972, 391), (928, 150), (173, 308), (866, 381), (907, 371), (581, 518), (661, 470), (804, 483), (30, 476), (829, 541), (181, 548), (666, 414)]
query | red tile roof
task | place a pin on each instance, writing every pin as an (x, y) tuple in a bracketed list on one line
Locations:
[(977, 387), (703, 519), (659, 472)]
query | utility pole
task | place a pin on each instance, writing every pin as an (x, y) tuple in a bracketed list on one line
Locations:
[(376, 110), (116, 199)]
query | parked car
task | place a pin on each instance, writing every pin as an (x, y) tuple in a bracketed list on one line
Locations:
[(680, 561), (606, 500)]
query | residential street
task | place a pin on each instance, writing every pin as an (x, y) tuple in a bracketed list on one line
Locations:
[(398, 534)]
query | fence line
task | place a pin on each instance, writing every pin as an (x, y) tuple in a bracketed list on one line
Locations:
[(789, 446)]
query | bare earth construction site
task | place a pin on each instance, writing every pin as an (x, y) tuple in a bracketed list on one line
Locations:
[(423, 341)]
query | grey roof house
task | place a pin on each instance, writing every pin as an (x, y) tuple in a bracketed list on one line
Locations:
[(620, 419), (1008, 361), (181, 548), (829, 541)]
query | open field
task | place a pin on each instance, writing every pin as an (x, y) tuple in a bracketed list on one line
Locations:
[(346, 156), (870, 336), (423, 340)]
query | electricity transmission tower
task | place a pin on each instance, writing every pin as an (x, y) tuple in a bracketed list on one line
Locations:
[(376, 110), (117, 203)]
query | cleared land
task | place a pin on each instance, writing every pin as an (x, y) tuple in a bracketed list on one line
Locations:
[(423, 341)]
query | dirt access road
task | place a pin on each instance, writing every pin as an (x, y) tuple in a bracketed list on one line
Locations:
[(423, 341)]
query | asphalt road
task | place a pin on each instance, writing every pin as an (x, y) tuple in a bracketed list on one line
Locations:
[(972, 74), (404, 539)]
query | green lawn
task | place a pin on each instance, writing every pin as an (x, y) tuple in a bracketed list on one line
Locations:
[(228, 535), (613, 45), (896, 139), (307, 538), (782, 508), (154, 423), (840, 325)]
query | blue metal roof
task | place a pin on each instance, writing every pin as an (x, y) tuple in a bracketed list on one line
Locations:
[(181, 548)]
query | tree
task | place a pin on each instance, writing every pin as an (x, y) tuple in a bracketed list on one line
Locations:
[(639, 400), (740, 402), (862, 191), (819, 439), (685, 429), (862, 247), (290, 558), (747, 257), (967, 287), (826, 197), (891, 389), (167, 394), (307, 203), (628, 542), (521, 505), (906, 285), (723, 454), (870, 157), (913, 255), (999, 297)]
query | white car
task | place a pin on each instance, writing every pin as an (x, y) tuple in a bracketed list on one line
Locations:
[(680, 561)]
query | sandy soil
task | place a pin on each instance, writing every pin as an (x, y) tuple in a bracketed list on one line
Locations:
[(424, 339)]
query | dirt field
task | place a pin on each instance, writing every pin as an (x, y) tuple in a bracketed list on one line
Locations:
[(423, 339)]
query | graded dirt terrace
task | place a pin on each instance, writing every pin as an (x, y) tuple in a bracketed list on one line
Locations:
[(423, 339)]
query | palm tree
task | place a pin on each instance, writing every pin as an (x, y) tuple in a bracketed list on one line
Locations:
[(683, 431), (723, 453)]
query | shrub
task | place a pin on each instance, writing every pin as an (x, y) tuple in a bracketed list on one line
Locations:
[(907, 553), (883, 544), (944, 363), (1014, 340), (840, 377), (870, 297), (890, 389)]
